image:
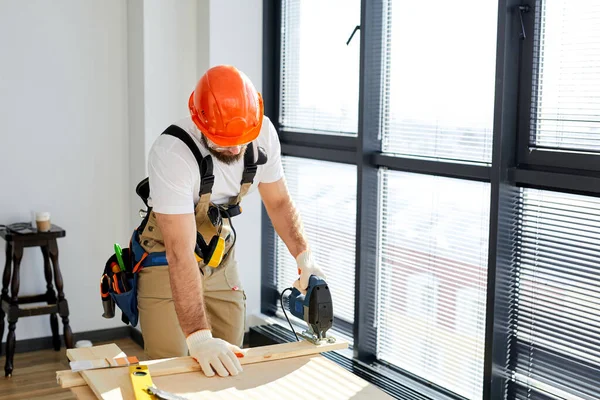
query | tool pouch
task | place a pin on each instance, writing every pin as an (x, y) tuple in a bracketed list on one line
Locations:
[(127, 302), (120, 288)]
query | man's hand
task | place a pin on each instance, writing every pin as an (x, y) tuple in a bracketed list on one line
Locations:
[(306, 268), (214, 353)]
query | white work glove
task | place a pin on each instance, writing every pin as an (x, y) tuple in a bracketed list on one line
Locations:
[(306, 268), (214, 353)]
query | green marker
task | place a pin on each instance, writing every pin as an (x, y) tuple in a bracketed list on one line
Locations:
[(119, 254)]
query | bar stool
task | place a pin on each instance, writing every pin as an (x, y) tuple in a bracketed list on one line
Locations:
[(16, 240)]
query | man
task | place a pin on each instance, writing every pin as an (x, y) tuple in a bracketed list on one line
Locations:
[(196, 302)]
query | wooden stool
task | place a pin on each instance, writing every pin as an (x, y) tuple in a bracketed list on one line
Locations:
[(16, 241)]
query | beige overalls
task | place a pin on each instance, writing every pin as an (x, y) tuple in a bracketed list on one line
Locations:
[(224, 296)]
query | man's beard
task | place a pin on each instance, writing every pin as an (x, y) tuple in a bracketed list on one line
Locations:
[(223, 157)]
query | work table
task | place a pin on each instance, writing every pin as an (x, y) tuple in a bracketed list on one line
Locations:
[(270, 372)]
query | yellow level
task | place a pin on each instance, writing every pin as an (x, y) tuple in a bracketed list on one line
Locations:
[(140, 379)]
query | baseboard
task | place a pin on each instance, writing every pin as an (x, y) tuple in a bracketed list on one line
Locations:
[(45, 343), (136, 336), (101, 335)]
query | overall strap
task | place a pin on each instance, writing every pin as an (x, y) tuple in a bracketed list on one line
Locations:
[(207, 179), (250, 168), (205, 164)]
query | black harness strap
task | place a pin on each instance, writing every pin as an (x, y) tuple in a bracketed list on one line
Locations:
[(250, 166), (207, 179), (205, 164)]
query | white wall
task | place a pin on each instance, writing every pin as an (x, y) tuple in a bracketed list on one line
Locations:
[(169, 61), (236, 38), (63, 141), (162, 71), (85, 88)]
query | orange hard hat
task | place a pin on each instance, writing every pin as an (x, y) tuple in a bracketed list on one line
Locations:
[(226, 107)]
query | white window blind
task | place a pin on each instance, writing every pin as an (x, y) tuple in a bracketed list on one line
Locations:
[(557, 310), (325, 195), (440, 76), (319, 72), (566, 92), (432, 278)]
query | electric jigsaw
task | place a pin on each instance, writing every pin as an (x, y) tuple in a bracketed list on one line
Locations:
[(315, 308)]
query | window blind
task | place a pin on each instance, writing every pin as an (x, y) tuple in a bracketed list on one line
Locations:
[(319, 72), (432, 278), (557, 310), (439, 79), (325, 195), (565, 110)]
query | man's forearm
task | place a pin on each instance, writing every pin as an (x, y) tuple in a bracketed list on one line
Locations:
[(188, 296), (288, 225)]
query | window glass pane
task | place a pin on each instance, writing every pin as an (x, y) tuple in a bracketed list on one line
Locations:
[(566, 92), (325, 195), (558, 295), (440, 78), (432, 280), (319, 72)]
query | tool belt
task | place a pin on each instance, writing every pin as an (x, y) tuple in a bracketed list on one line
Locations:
[(215, 233)]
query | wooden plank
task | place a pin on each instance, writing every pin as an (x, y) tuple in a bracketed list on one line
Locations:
[(83, 393), (128, 347), (77, 366), (37, 310), (252, 355), (311, 376), (110, 350), (89, 353)]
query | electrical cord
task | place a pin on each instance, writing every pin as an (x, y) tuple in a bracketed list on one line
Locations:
[(224, 213), (284, 313), (232, 229)]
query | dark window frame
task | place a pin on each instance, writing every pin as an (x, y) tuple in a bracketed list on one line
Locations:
[(530, 156), (515, 165)]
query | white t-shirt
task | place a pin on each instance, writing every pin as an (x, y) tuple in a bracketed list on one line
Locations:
[(174, 175)]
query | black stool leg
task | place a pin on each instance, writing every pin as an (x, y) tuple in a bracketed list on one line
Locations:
[(63, 307), (5, 283), (13, 311), (51, 298)]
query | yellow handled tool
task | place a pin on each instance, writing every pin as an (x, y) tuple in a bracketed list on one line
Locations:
[(143, 387), (140, 379)]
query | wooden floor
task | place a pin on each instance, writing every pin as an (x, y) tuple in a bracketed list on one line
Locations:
[(34, 374)]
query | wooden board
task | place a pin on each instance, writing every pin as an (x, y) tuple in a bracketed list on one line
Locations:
[(83, 393), (311, 376), (170, 366), (90, 353)]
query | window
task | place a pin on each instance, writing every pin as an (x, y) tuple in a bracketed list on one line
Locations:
[(462, 142), (566, 93), (558, 296), (432, 281), (319, 72), (439, 89), (328, 210)]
